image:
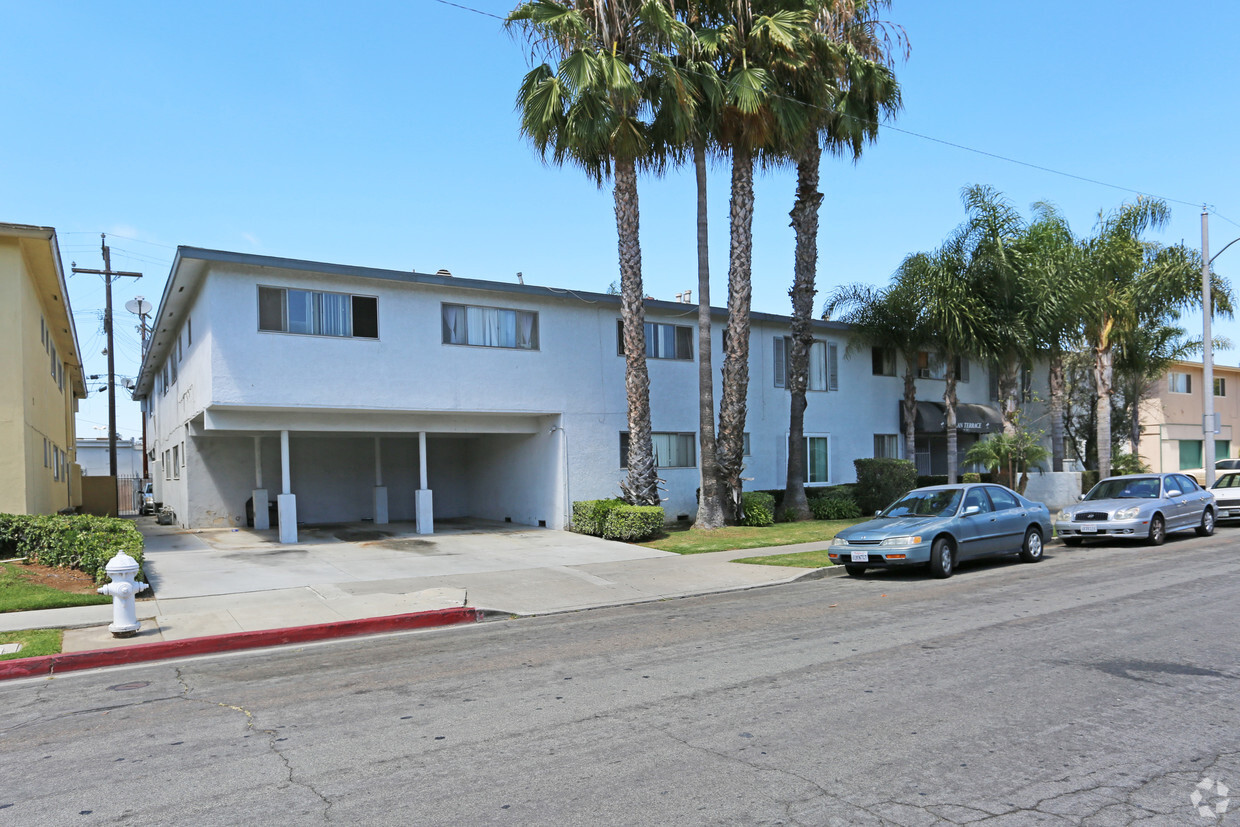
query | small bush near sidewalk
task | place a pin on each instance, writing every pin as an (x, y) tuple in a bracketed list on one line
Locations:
[(633, 523), (759, 508), (35, 643), (590, 516), (834, 508), (79, 542)]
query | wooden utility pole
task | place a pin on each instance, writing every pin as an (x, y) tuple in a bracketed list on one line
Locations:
[(108, 274)]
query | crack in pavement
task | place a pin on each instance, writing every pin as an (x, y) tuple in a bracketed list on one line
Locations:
[(271, 734)]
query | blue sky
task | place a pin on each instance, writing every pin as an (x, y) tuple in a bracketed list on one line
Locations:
[(384, 135)]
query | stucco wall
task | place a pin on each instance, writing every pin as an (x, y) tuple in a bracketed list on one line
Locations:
[(1054, 488)]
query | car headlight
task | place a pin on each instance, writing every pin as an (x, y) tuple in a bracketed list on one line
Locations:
[(901, 541), (838, 541), (1128, 513), (1065, 516)]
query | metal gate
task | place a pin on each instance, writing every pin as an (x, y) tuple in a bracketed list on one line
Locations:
[(128, 496)]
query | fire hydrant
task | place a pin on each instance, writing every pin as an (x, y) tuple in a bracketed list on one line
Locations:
[(122, 569)]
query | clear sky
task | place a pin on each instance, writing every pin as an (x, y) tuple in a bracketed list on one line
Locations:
[(383, 134)]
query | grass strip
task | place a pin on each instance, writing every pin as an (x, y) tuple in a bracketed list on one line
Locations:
[(18, 594), (35, 642), (682, 539)]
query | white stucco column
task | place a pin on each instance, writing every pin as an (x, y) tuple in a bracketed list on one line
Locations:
[(380, 491), (286, 503), (423, 506), (262, 519)]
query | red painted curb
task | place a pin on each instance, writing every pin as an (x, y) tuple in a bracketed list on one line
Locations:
[(73, 661)]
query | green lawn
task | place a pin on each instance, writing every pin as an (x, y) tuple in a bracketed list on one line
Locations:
[(682, 540), (35, 642), (801, 559), (17, 594)]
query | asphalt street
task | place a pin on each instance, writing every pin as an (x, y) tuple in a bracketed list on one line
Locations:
[(1099, 687)]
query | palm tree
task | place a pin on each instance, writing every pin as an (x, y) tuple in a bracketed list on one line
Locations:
[(845, 87), (589, 111), (889, 318)]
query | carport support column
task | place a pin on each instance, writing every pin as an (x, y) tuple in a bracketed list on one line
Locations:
[(262, 519), (422, 502), (286, 503), (380, 493)]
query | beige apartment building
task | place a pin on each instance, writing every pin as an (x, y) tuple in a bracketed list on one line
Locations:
[(1171, 419), (40, 375)]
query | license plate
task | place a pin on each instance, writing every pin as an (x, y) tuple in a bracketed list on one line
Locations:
[(860, 557), (1089, 529)]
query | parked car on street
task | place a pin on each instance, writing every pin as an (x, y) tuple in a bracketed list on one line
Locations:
[(146, 496), (1199, 474), (1141, 507), (943, 525), (1227, 496)]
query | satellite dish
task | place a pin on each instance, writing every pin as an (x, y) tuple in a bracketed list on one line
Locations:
[(139, 306)]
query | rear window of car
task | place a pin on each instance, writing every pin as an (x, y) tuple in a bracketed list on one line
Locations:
[(1002, 499), (1228, 481)]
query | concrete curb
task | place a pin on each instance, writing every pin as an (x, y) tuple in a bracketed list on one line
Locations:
[(142, 652)]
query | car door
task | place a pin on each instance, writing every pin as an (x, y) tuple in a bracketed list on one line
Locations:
[(1177, 501), (1194, 498), (977, 527), (1010, 520)]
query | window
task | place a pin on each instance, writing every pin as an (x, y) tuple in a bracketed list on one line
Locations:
[(1180, 383), (489, 327), (671, 450), (54, 361), (817, 467), (823, 368), (1222, 449), (164, 375), (932, 366), (176, 462), (746, 451), (167, 465), (182, 454), (47, 454), (1220, 386), (1002, 499), (172, 370), (1190, 452), (189, 332), (56, 463), (886, 446), (976, 498), (180, 354), (884, 361), (43, 332), (284, 310), (663, 341)]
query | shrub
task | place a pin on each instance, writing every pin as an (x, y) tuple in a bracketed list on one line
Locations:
[(847, 489), (759, 508), (834, 508), (880, 481), (633, 523), (79, 542), (590, 516), (971, 477)]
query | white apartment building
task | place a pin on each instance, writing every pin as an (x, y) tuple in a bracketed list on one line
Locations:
[(352, 393)]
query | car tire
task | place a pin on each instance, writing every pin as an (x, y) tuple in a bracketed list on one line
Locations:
[(1031, 550), (1071, 541), (1207, 523), (942, 558), (1158, 531), (854, 571)]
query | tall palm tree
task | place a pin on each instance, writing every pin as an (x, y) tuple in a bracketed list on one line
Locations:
[(754, 115), (588, 110), (846, 87)]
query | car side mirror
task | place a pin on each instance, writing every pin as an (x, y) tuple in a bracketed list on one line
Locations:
[(1173, 492), (878, 512), (1080, 498), (970, 510)]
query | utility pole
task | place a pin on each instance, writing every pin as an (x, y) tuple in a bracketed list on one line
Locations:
[(108, 273), (1208, 423), (141, 308)]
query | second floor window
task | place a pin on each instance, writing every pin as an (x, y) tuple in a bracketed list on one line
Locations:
[(1180, 383), (884, 361), (933, 366), (1220, 386), (490, 327), (824, 365), (285, 310), (663, 341)]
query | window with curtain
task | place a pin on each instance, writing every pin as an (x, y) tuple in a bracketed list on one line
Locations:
[(816, 460), (671, 450), (316, 313), (1179, 383), (490, 327), (934, 366), (1220, 386), (663, 341), (823, 368), (887, 446)]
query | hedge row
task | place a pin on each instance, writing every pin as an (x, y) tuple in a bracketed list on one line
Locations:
[(615, 520), (77, 541)]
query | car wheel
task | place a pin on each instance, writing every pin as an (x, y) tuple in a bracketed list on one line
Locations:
[(1158, 531), (1071, 541), (942, 558), (1207, 523), (854, 571), (1031, 551)]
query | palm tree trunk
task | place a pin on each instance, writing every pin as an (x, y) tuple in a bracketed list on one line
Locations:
[(1056, 383), (710, 497), (736, 343), (1103, 378), (805, 222), (1009, 379), (949, 404), (910, 407), (641, 486)]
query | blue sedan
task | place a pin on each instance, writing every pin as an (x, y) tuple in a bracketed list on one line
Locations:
[(942, 525)]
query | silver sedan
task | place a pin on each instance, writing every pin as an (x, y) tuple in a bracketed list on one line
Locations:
[(1139, 506)]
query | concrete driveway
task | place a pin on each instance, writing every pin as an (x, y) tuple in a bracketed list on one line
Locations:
[(196, 563)]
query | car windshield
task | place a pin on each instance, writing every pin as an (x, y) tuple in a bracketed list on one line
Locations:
[(1139, 488), (1228, 481), (940, 502)]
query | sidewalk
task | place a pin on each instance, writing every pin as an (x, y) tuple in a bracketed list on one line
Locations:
[(213, 584)]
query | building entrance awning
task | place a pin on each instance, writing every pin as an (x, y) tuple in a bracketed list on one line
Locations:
[(931, 418)]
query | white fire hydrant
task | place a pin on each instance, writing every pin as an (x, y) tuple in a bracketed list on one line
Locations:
[(123, 569)]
